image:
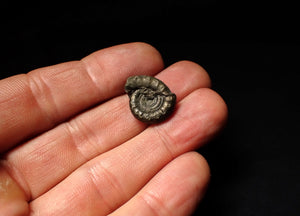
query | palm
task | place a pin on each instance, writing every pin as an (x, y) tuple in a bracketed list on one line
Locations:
[(102, 160)]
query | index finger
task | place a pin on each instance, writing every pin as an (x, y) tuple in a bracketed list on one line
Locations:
[(37, 101)]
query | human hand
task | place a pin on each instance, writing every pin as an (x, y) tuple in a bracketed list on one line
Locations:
[(62, 157)]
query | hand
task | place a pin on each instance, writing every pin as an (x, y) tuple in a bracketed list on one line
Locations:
[(70, 145)]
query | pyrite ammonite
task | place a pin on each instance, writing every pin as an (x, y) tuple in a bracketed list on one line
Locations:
[(150, 100)]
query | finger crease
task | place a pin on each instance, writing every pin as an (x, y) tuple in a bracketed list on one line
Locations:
[(154, 204), (38, 90), (100, 172), (90, 74), (72, 129), (163, 137), (81, 130)]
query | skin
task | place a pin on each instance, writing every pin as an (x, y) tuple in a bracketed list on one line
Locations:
[(70, 145)]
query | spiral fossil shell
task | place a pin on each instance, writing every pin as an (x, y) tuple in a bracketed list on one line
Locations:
[(151, 101)]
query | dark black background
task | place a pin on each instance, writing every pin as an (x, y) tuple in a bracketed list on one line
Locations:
[(250, 52)]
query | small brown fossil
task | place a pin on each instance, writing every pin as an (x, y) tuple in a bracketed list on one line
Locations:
[(151, 101)]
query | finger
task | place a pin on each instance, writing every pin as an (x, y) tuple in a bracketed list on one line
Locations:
[(69, 145), (32, 103), (112, 178), (175, 190)]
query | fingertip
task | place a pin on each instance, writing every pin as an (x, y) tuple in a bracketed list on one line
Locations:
[(184, 77), (144, 58), (148, 50), (196, 72), (209, 110), (152, 55), (181, 184), (216, 113), (194, 172), (197, 119), (199, 170)]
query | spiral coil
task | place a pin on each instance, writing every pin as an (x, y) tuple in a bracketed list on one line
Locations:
[(151, 101)]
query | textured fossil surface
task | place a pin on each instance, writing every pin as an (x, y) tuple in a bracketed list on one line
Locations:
[(151, 101)]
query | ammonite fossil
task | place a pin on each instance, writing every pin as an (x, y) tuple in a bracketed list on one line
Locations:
[(151, 101)]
